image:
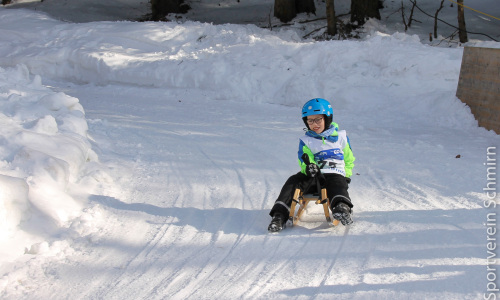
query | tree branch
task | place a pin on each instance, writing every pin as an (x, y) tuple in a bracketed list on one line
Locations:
[(450, 24)]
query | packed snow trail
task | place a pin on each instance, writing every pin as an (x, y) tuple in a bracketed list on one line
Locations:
[(198, 181)]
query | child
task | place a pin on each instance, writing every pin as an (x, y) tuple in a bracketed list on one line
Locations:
[(327, 152)]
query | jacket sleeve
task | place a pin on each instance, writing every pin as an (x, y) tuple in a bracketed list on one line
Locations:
[(348, 159), (304, 149)]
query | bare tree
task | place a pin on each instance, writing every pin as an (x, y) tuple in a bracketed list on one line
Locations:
[(305, 6), (286, 10), (161, 8), (331, 19), (410, 18), (462, 32), (436, 19), (361, 10)]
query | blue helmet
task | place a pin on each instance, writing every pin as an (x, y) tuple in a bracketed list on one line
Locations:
[(318, 106)]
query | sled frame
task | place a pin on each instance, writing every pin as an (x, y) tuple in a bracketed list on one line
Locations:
[(304, 199)]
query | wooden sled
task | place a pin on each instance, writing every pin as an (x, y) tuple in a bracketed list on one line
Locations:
[(304, 199)]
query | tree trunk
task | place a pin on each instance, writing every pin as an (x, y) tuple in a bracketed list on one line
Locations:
[(462, 32), (361, 10), (331, 19), (285, 10), (305, 6), (436, 19), (161, 8)]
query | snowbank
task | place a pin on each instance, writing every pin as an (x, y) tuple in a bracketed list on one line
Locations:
[(225, 62), (43, 147)]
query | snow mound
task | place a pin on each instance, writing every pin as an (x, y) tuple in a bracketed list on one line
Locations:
[(43, 148)]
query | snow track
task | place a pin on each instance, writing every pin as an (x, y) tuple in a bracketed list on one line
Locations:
[(185, 215), (203, 210)]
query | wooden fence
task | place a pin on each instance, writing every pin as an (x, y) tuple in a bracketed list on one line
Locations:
[(479, 85)]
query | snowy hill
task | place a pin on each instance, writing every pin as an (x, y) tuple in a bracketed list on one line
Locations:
[(140, 160)]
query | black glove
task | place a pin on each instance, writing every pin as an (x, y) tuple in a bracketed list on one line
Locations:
[(312, 170), (348, 180)]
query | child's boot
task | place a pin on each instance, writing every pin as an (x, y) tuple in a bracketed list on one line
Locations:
[(342, 212), (277, 223)]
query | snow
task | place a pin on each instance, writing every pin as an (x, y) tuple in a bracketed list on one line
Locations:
[(140, 160)]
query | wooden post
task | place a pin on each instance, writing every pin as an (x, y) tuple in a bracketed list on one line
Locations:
[(462, 32)]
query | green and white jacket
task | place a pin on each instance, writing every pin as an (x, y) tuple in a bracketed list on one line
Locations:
[(330, 150)]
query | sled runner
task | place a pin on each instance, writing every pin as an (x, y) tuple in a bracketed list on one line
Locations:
[(304, 199)]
